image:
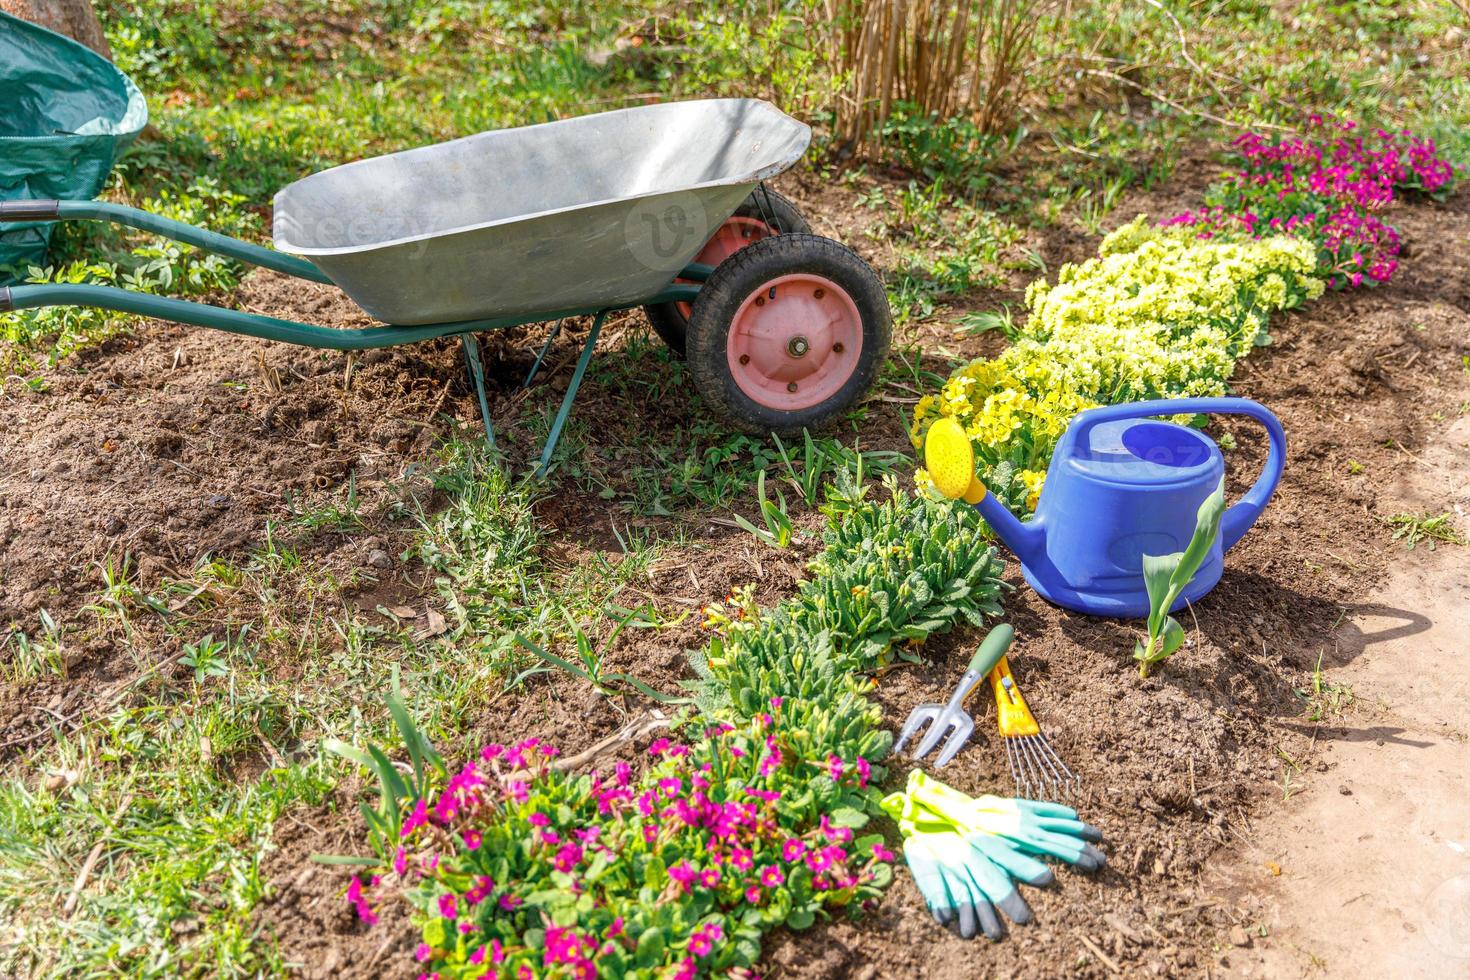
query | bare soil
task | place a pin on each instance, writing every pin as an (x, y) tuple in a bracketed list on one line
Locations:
[(145, 447), (1366, 871)]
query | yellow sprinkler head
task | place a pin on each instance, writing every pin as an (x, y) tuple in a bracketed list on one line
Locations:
[(950, 459)]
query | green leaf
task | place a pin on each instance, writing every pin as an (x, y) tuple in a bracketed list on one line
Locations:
[(1158, 573), (1172, 639), (801, 918), (1206, 530), (650, 948), (391, 783), (644, 689), (348, 752), (846, 816), (554, 660)]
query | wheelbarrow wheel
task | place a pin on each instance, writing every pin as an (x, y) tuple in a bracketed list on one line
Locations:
[(759, 216), (788, 333)]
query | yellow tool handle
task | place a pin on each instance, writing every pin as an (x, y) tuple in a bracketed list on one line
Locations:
[(1012, 714)]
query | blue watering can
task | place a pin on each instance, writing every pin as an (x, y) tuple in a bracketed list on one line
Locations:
[(1121, 485)]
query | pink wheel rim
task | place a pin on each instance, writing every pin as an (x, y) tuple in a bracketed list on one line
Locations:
[(736, 233), (794, 342)]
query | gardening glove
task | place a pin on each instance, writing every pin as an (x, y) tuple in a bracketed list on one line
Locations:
[(963, 880), (1025, 825)]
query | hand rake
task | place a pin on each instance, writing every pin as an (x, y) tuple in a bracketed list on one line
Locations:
[(951, 718), (1037, 770)]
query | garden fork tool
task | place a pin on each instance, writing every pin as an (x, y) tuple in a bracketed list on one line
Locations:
[(1037, 770), (951, 718)]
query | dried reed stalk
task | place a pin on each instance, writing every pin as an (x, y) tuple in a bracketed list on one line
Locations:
[(944, 57)]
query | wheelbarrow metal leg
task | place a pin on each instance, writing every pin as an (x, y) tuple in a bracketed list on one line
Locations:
[(471, 347), (545, 348), (566, 402)]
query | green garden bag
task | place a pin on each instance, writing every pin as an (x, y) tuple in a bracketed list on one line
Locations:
[(65, 115)]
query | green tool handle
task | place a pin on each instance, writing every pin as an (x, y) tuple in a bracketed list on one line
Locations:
[(992, 648)]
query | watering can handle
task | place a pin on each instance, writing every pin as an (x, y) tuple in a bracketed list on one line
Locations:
[(1241, 515)]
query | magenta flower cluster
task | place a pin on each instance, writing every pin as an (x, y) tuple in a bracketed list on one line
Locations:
[(524, 872), (1336, 160), (1327, 186)]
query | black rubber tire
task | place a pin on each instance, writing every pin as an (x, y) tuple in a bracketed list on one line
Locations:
[(668, 320), (746, 272)]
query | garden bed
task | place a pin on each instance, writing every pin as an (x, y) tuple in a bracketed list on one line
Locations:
[(154, 448)]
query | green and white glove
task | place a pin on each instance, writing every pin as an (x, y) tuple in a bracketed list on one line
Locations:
[(966, 854), (1030, 826), (966, 880)]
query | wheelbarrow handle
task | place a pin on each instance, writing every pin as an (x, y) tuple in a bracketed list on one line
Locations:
[(34, 210), (156, 224)]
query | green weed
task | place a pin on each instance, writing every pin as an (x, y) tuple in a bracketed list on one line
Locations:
[(30, 658), (1325, 699), (1412, 529), (778, 527)]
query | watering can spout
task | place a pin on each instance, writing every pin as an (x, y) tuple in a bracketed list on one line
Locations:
[(950, 460), (1028, 541)]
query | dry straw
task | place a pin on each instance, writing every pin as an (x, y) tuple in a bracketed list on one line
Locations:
[(943, 58)]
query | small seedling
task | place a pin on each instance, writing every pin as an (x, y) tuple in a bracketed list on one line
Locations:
[(340, 517), (814, 464), (589, 660), (778, 530), (1354, 467), (396, 787), (1292, 769), (1325, 698), (1167, 576), (1414, 528), (33, 657), (982, 321), (207, 658)]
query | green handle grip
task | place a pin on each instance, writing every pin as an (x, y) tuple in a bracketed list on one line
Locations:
[(992, 648)]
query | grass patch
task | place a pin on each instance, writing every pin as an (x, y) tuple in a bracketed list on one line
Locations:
[(1414, 529)]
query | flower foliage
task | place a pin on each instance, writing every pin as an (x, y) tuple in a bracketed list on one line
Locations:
[(750, 821), (518, 870), (1166, 311), (1327, 186), (1159, 313)]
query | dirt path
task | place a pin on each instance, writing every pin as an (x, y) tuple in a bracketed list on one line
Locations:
[(1375, 852)]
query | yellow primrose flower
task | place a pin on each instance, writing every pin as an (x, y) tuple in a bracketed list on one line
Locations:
[(1158, 313)]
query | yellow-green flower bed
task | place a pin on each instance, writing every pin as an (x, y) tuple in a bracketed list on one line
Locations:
[(1159, 313)]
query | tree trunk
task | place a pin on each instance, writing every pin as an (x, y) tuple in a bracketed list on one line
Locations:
[(74, 18)]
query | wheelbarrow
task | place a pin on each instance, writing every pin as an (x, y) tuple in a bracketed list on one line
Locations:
[(660, 206)]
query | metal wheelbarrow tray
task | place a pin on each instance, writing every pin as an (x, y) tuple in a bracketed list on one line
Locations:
[(583, 216)]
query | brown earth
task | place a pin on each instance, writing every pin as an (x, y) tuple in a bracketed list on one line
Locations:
[(1374, 858), (144, 446)]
